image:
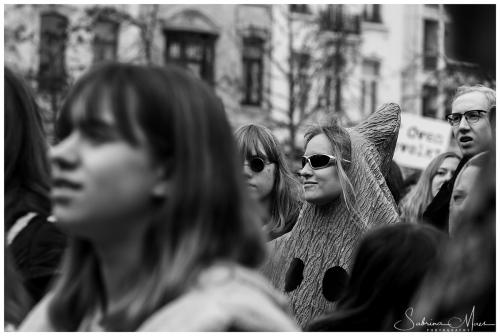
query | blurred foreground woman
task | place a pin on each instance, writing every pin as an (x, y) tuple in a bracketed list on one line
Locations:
[(148, 185)]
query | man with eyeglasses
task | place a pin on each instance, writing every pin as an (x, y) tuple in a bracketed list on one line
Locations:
[(471, 127)]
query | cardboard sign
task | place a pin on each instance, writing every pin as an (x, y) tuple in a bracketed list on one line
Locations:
[(420, 140)]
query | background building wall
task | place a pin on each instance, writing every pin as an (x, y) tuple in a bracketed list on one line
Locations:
[(387, 55)]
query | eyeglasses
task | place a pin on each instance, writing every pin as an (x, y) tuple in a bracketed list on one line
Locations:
[(256, 164), (318, 161), (472, 117)]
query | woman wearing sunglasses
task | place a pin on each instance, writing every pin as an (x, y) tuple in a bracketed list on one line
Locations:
[(268, 178), (345, 191), (147, 184)]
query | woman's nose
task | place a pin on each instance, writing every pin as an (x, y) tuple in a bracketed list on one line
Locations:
[(64, 155), (247, 172), (306, 171)]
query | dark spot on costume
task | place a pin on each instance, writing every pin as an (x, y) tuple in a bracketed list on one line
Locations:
[(334, 283), (294, 275)]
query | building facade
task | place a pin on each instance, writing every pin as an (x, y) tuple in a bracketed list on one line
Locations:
[(52, 45), (283, 65)]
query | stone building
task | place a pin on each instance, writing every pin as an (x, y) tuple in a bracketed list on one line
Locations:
[(401, 53), (51, 45), (280, 65)]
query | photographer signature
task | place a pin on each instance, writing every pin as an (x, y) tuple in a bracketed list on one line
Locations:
[(452, 323)]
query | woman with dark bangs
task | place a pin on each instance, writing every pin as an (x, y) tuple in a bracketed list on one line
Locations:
[(34, 244), (269, 180), (148, 186)]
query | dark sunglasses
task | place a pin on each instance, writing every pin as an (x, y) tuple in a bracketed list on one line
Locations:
[(256, 164), (472, 116), (318, 161)]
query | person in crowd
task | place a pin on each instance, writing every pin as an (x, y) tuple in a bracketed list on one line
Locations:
[(472, 129), (147, 183), (389, 265), (462, 284), (464, 183), (439, 171), (343, 180), (34, 243), (492, 116), (268, 178), (395, 182)]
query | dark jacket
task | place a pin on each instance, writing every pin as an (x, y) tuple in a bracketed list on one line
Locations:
[(37, 252)]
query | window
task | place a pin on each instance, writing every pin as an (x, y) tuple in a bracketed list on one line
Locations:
[(192, 50), (105, 40), (429, 101), (53, 36), (371, 13), (303, 9), (430, 44), (371, 69), (337, 18), (253, 56)]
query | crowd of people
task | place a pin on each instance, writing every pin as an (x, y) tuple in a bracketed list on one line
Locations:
[(150, 213)]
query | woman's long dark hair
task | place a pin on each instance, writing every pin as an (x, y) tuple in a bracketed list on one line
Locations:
[(389, 266), (207, 219), (26, 164)]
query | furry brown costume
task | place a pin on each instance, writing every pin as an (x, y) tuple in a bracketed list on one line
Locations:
[(310, 262)]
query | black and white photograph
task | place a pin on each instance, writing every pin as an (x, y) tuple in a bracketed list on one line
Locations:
[(249, 167)]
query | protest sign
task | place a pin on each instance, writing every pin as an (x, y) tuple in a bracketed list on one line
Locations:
[(420, 140)]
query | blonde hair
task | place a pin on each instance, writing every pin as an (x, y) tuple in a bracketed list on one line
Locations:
[(488, 93), (413, 205), (341, 144)]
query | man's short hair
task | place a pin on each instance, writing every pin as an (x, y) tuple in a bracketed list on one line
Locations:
[(490, 94)]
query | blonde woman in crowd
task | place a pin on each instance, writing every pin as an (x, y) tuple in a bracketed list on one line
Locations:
[(439, 171)]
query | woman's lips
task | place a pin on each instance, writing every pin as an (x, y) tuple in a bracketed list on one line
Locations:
[(61, 183), (309, 184), (63, 190)]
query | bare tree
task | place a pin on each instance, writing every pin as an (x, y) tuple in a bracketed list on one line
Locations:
[(319, 63)]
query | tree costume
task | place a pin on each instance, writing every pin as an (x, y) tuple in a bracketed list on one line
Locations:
[(310, 262)]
